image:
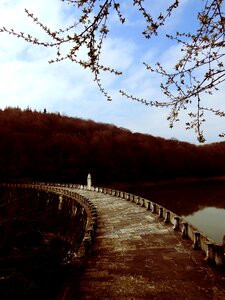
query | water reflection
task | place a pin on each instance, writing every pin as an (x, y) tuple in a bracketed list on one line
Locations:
[(211, 221), (201, 203)]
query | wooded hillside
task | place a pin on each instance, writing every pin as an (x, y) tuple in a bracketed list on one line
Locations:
[(51, 147)]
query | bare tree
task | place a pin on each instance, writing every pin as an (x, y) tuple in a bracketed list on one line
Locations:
[(199, 71)]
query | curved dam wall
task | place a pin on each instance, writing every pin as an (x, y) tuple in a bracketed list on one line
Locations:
[(36, 207), (42, 229), (66, 201), (214, 252)]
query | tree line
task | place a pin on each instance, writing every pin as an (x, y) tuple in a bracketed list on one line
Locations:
[(50, 147)]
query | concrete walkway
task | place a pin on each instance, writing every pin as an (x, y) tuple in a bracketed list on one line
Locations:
[(137, 256)]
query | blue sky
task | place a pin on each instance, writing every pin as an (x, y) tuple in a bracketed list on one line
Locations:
[(28, 80)]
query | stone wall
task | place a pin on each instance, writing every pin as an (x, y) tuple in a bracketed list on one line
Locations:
[(214, 252), (42, 229)]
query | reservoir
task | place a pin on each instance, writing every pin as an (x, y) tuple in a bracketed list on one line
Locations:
[(201, 203)]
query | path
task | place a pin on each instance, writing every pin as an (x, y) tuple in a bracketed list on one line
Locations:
[(137, 256)]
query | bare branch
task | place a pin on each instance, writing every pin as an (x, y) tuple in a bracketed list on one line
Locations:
[(201, 69)]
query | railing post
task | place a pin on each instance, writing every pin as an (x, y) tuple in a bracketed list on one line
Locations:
[(184, 230), (160, 212), (167, 217), (210, 253), (94, 220), (148, 205), (153, 208), (87, 244), (176, 223), (60, 202), (219, 255), (196, 244), (91, 232)]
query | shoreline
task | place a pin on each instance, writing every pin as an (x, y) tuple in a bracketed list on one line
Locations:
[(179, 181)]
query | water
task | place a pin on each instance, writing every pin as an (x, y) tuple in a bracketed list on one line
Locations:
[(200, 203), (211, 221)]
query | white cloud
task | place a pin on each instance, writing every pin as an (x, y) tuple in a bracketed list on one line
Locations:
[(28, 80)]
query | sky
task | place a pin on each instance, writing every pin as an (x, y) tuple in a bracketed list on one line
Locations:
[(28, 80)]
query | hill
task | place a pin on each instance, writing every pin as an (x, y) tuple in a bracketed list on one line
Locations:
[(52, 147)]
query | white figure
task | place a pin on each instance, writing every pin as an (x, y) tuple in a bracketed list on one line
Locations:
[(89, 182)]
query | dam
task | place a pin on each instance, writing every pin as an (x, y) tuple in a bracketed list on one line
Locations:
[(134, 249)]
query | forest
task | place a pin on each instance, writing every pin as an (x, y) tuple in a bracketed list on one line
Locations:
[(42, 146)]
